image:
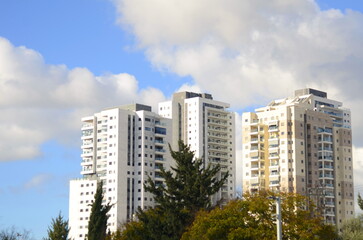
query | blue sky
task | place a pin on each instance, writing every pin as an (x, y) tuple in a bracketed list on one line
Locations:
[(98, 40)]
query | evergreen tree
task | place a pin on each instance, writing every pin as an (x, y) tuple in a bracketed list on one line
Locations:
[(59, 229), (187, 189), (97, 225), (360, 201)]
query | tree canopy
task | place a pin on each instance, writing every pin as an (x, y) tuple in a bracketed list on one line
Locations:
[(187, 189), (253, 218), (97, 225), (352, 229), (59, 229)]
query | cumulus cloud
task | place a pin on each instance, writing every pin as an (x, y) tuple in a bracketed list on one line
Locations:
[(41, 102), (250, 52)]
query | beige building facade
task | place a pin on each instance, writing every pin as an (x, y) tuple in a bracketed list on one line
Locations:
[(302, 144)]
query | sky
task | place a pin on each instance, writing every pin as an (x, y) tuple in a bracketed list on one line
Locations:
[(64, 59)]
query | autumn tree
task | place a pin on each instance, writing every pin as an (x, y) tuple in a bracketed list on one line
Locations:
[(97, 225), (253, 218), (188, 188), (59, 229)]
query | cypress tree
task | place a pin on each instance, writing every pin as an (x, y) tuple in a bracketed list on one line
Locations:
[(97, 225), (360, 201)]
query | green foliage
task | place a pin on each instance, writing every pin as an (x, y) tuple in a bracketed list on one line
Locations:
[(360, 201), (352, 229), (97, 224), (253, 218), (58, 230), (188, 188)]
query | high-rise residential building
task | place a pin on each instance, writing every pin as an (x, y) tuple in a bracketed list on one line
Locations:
[(302, 144), (209, 128), (122, 147)]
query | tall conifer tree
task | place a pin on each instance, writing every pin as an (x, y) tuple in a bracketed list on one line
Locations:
[(59, 229), (97, 225)]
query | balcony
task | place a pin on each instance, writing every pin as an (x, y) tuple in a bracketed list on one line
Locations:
[(254, 122), (218, 141), (254, 166), (87, 126), (254, 148), (160, 150), (273, 146), (274, 183), (326, 175), (159, 141), (217, 115), (273, 156), (87, 154), (273, 128), (254, 131), (325, 139), (326, 167), (217, 129), (158, 123), (325, 130), (217, 122), (329, 204), (330, 157), (87, 170), (218, 135), (328, 149), (273, 137), (87, 161)]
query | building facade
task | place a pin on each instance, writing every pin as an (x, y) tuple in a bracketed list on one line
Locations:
[(302, 144), (209, 128), (122, 147)]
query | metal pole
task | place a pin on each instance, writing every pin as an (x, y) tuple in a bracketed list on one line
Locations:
[(278, 218)]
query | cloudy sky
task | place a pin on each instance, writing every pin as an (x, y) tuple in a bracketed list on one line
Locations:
[(64, 59)]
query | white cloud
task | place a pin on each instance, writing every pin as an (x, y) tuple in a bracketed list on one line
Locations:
[(37, 181), (250, 52), (41, 102)]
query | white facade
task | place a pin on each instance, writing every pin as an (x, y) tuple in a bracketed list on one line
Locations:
[(122, 147), (302, 144), (209, 128)]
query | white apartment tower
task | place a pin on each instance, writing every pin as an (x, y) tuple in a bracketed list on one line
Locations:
[(209, 128), (122, 147), (302, 144)]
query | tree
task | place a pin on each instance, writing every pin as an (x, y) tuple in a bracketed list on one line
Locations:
[(14, 234), (252, 218), (352, 229), (97, 225), (59, 229), (360, 201), (188, 188)]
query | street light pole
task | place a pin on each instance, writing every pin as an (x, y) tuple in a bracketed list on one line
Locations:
[(278, 218)]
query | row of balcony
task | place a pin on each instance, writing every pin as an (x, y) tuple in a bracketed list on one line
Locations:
[(218, 115)]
